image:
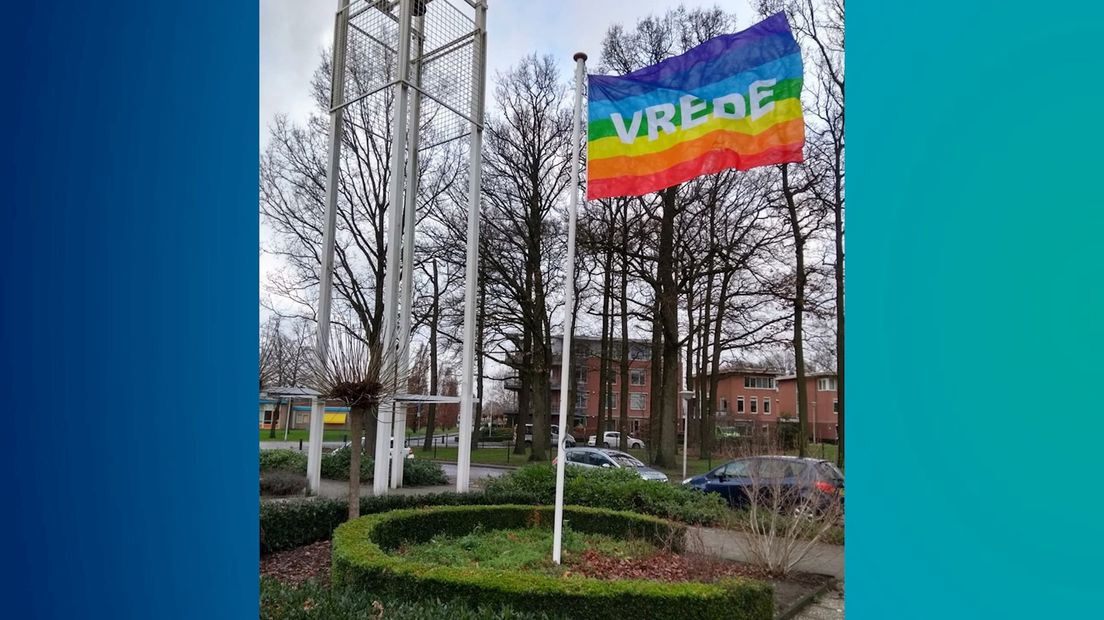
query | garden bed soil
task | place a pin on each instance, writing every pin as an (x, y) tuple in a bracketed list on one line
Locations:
[(312, 562)]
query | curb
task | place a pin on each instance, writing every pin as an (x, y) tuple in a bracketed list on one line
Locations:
[(806, 600)]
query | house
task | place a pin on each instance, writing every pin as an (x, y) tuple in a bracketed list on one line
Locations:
[(753, 399), (748, 400), (289, 408), (822, 401)]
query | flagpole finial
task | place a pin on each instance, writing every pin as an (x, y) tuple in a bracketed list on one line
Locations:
[(579, 55)]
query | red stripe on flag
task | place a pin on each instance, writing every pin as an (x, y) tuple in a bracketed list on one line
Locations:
[(709, 163)]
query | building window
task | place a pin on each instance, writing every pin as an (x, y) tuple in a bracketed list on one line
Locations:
[(266, 417), (636, 376), (766, 406), (634, 424), (754, 405), (611, 400), (581, 400), (739, 404), (759, 383), (637, 400), (835, 407), (826, 384), (581, 373), (724, 405)]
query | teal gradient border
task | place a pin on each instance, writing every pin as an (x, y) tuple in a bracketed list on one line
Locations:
[(974, 310)]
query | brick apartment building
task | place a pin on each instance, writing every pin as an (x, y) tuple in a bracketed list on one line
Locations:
[(751, 399), (587, 368)]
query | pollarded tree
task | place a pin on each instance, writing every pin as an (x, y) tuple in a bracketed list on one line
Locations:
[(358, 376)]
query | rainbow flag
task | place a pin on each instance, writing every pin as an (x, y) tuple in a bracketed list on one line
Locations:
[(731, 102)]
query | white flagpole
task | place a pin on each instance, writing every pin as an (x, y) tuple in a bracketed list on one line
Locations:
[(569, 295)]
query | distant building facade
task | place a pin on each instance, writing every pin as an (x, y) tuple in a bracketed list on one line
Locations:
[(753, 400), (587, 383)]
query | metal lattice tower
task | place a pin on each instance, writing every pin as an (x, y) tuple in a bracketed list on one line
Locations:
[(401, 64)]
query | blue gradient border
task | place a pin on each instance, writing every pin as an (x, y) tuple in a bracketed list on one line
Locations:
[(974, 310), (129, 320)]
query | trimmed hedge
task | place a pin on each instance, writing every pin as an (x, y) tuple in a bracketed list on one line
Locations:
[(360, 559), (287, 524), (615, 489), (315, 601), (282, 483)]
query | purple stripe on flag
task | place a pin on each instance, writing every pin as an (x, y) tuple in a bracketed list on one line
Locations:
[(709, 62)]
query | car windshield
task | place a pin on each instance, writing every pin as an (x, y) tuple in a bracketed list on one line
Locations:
[(626, 460)]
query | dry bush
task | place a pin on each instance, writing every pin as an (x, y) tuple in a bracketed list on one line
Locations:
[(788, 509)]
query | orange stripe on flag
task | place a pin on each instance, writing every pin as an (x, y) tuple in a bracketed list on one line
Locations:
[(787, 132)]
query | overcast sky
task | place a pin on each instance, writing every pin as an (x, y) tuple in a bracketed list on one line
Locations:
[(295, 33)]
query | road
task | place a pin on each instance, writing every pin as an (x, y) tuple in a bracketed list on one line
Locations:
[(339, 488)]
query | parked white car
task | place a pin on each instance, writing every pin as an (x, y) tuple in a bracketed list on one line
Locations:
[(408, 452), (555, 434), (612, 439), (601, 457)]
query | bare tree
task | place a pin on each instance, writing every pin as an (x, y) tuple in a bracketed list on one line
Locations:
[(527, 158)]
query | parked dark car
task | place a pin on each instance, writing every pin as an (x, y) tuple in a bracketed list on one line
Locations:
[(803, 483)]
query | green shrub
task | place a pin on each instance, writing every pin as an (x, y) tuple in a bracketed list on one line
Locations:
[(279, 482), (360, 559), (284, 460), (335, 465), (312, 601), (420, 473), (615, 489)]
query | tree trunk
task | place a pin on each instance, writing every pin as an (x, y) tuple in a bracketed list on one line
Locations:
[(623, 405), (480, 326), (655, 400), (668, 314), (434, 379), (604, 421), (799, 306), (275, 419), (689, 424), (838, 209), (356, 430), (715, 361)]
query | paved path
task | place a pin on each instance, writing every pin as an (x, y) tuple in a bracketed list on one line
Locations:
[(822, 559), (339, 489), (827, 607)]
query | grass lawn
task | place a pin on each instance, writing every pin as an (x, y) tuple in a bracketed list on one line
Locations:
[(520, 549), (480, 456), (296, 434)]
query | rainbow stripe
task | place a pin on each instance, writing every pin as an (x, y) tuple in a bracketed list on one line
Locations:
[(731, 102)]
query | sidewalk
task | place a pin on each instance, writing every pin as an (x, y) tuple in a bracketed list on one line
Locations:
[(822, 559)]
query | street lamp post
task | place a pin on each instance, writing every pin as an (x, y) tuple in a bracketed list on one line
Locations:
[(686, 395)]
